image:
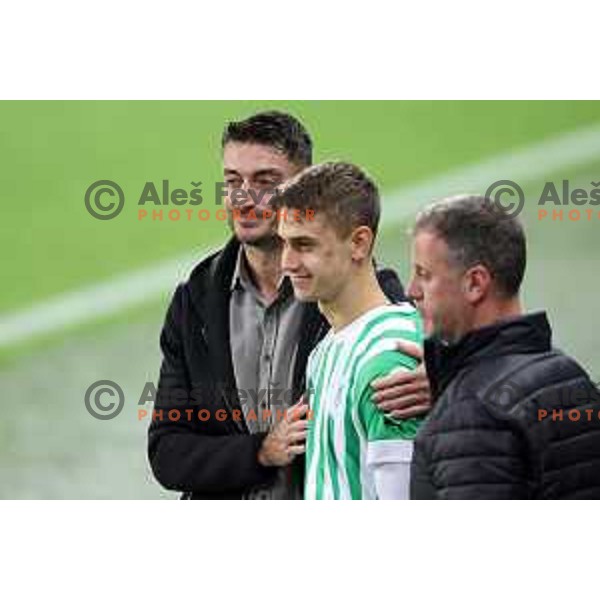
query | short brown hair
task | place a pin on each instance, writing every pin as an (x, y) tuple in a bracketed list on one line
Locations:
[(478, 231), (344, 193)]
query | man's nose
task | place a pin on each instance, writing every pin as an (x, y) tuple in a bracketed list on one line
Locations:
[(413, 291), (244, 197)]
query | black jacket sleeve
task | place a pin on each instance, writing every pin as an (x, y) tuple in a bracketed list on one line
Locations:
[(421, 486), (187, 455)]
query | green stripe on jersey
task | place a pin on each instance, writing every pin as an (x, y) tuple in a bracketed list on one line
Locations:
[(344, 419)]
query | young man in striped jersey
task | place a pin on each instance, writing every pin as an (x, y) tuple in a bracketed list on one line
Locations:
[(353, 450)]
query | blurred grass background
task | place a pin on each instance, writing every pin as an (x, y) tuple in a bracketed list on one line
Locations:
[(50, 152)]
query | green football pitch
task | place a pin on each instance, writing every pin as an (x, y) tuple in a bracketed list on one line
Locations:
[(54, 250)]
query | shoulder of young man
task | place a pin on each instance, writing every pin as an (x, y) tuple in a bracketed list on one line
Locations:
[(381, 356)]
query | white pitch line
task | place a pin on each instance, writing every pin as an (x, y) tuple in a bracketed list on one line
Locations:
[(523, 165), (100, 300)]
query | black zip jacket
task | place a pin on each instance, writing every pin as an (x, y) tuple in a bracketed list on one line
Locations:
[(492, 432)]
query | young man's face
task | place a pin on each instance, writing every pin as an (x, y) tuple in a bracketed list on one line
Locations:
[(316, 258), (437, 287), (256, 170)]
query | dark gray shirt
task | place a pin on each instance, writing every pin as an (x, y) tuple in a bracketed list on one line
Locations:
[(264, 342)]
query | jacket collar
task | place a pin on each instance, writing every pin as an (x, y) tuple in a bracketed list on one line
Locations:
[(520, 335)]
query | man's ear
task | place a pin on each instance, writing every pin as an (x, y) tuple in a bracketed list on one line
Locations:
[(362, 243), (476, 284)]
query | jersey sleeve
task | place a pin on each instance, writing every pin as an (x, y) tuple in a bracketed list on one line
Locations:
[(389, 440), (377, 425)]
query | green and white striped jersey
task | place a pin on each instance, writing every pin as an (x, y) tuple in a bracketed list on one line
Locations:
[(346, 429)]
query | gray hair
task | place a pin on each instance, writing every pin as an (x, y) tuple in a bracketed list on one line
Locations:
[(478, 231)]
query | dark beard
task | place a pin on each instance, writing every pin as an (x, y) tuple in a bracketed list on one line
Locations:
[(270, 241)]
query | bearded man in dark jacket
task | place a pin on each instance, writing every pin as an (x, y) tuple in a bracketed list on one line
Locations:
[(513, 417)]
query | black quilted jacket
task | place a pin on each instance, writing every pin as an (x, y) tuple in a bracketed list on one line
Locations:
[(513, 418)]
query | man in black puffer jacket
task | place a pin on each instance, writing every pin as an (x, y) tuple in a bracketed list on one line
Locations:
[(513, 417)]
